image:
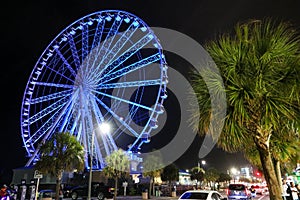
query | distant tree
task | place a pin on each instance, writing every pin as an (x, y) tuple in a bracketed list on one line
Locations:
[(117, 165), (61, 153), (152, 167), (211, 176), (197, 173), (224, 177), (170, 173)]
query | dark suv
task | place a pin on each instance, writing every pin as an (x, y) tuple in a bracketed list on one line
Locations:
[(238, 191), (99, 190)]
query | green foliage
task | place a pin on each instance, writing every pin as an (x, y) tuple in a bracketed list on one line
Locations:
[(61, 153), (197, 173), (152, 167), (260, 66), (212, 175), (132, 191), (170, 173), (117, 165), (224, 177)]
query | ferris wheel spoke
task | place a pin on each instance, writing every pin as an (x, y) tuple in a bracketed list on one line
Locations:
[(98, 33), (42, 130), (48, 110), (105, 46), (125, 55), (46, 129), (96, 41), (130, 84), (69, 67), (133, 67), (125, 101), (66, 119), (74, 51), (99, 155), (125, 37), (55, 85), (118, 118), (85, 41), (50, 97)]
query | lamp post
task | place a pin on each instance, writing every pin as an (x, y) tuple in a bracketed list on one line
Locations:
[(91, 166), (104, 128)]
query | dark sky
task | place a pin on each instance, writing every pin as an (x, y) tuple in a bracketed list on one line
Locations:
[(27, 27)]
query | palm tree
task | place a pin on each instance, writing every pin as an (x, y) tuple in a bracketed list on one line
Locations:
[(117, 165), (170, 174), (61, 153), (152, 167), (197, 173), (211, 176), (259, 65)]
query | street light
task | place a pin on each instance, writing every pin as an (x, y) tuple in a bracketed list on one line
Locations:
[(104, 128), (203, 162), (234, 172)]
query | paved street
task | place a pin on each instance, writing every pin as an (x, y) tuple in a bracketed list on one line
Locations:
[(258, 197)]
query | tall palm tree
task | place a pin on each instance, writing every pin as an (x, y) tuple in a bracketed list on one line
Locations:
[(61, 153), (152, 167), (260, 67), (117, 165), (197, 173)]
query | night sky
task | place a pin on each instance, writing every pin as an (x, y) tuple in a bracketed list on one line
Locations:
[(27, 27)]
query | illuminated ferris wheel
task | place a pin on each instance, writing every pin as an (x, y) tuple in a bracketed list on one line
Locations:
[(105, 68)]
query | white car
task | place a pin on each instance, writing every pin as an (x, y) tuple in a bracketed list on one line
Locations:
[(202, 194)]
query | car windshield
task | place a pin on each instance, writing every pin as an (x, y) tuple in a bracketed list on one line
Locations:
[(194, 195), (236, 187)]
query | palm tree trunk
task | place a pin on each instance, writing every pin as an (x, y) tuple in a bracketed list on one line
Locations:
[(58, 182), (278, 173), (153, 189), (116, 188), (269, 171)]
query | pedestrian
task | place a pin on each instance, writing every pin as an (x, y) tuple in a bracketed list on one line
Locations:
[(294, 191), (3, 191), (286, 193), (298, 188)]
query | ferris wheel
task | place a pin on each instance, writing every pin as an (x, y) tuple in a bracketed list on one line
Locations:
[(105, 68)]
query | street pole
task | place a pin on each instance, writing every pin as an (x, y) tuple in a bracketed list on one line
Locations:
[(91, 167)]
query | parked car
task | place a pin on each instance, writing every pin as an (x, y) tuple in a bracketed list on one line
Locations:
[(99, 190), (202, 194), (46, 193), (238, 191)]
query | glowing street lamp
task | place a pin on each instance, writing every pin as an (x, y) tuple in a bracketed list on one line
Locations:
[(203, 162), (234, 172)]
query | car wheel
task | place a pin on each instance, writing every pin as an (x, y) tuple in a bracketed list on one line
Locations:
[(100, 196), (74, 195)]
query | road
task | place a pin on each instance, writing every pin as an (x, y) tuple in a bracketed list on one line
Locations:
[(258, 197)]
